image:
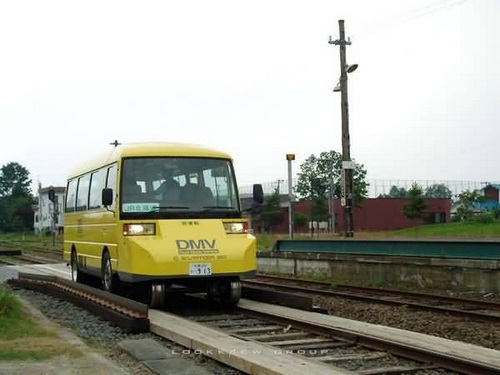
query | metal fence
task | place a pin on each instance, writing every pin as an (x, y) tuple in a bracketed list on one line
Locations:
[(380, 187)]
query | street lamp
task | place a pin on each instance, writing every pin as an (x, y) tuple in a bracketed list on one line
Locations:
[(348, 69), (290, 158), (347, 164), (351, 68)]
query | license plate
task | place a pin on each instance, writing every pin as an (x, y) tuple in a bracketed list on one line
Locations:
[(200, 269)]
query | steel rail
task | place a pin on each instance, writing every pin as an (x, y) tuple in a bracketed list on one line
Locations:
[(380, 300), (490, 305), (16, 260), (4, 251), (131, 316)]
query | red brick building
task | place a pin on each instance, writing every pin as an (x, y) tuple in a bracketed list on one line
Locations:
[(491, 192), (375, 215)]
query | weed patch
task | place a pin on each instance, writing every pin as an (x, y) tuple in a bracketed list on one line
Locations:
[(22, 338)]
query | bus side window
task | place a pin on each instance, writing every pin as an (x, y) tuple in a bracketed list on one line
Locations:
[(71, 196), (82, 194)]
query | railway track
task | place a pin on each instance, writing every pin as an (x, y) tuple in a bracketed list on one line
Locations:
[(471, 308), (20, 259), (320, 349), (341, 348), (31, 255), (43, 254), (293, 337)]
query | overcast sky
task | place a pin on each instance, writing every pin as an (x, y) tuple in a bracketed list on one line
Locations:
[(254, 79)]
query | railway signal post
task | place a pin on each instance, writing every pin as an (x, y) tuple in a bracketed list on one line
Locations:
[(347, 164)]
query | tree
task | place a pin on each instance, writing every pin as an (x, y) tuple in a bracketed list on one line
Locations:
[(270, 213), (299, 220), (309, 179), (318, 173), (16, 200), (438, 191), (319, 209), (14, 180), (16, 214), (465, 204), (415, 207), (395, 192)]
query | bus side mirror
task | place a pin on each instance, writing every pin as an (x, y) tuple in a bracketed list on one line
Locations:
[(107, 196), (258, 193)]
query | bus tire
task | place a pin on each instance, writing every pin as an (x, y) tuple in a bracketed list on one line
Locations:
[(158, 295), (76, 275), (110, 281), (231, 294)]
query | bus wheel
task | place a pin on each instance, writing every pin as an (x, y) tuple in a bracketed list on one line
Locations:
[(158, 295), (231, 293), (109, 278), (75, 273)]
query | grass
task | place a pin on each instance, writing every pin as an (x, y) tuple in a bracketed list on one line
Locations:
[(25, 241), (472, 230), (317, 276), (22, 338), (464, 230)]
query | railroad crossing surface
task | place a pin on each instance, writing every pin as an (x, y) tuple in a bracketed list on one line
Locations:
[(251, 357)]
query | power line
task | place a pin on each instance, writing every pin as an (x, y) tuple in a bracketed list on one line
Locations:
[(392, 22), (432, 8)]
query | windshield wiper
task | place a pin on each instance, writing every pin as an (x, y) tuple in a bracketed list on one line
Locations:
[(168, 207), (213, 208)]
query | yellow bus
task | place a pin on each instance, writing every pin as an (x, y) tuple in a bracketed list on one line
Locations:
[(154, 216)]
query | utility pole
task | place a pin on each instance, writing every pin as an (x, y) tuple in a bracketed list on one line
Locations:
[(55, 210), (347, 164)]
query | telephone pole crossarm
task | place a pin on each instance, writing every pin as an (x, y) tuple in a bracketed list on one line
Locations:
[(339, 42)]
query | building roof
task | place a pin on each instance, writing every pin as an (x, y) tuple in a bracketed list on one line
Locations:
[(495, 186), (487, 205), (57, 189)]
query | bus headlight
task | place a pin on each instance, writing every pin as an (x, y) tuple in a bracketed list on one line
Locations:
[(148, 229), (236, 228)]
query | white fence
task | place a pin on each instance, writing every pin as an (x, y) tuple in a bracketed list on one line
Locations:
[(378, 187)]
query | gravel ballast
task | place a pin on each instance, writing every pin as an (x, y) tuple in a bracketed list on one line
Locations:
[(477, 332), (104, 337)]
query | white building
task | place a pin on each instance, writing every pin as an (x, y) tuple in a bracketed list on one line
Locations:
[(44, 210)]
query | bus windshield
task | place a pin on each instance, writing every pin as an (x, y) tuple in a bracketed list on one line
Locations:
[(162, 187)]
